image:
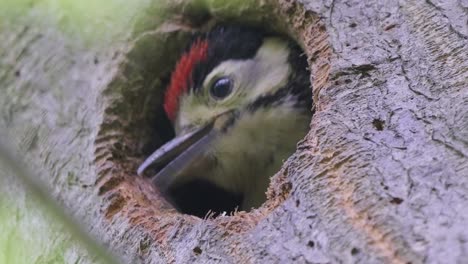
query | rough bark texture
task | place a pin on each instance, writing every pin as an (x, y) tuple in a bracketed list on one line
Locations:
[(381, 177)]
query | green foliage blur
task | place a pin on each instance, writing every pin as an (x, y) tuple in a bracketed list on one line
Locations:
[(29, 233), (84, 20)]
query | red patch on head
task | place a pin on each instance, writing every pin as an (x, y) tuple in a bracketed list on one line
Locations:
[(181, 77)]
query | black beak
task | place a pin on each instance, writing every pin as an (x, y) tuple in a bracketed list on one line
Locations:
[(187, 155)]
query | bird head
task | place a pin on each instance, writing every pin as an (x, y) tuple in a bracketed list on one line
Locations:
[(239, 99)]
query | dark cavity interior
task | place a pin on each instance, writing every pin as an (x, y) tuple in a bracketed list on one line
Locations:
[(200, 197)]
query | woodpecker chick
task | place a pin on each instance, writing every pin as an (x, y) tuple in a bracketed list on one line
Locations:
[(239, 100)]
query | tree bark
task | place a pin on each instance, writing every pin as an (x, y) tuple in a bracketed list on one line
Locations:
[(382, 176)]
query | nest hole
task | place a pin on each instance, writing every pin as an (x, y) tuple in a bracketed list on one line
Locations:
[(138, 114), (200, 197)]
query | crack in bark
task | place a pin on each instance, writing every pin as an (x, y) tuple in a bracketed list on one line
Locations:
[(448, 146), (461, 35)]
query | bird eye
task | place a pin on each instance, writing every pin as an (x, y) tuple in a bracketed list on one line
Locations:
[(221, 88)]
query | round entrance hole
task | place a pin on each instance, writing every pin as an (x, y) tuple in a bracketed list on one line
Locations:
[(239, 99), (137, 115)]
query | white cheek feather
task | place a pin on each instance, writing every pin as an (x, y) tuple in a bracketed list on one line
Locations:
[(272, 68), (194, 113)]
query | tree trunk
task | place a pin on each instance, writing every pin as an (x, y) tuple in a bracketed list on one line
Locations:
[(382, 176)]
